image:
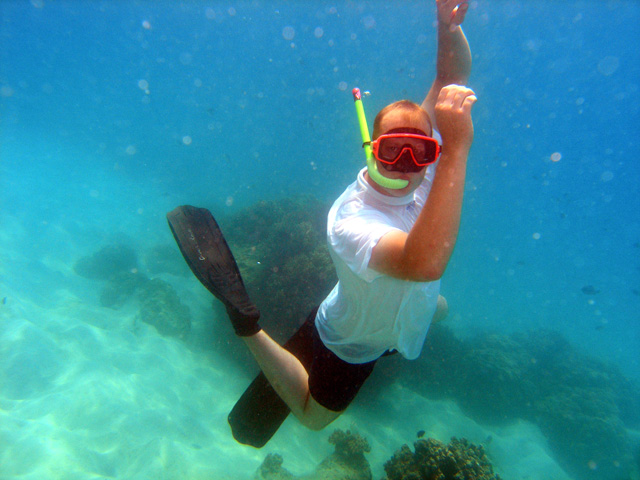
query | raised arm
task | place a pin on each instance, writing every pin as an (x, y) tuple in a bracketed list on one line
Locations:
[(423, 254), (454, 56)]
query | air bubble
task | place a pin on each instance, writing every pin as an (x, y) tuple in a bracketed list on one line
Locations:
[(288, 32), (606, 176), (608, 65)]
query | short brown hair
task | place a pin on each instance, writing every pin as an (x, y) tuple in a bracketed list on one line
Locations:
[(409, 107)]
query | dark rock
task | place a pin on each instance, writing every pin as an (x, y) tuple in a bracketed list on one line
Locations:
[(165, 259), (161, 307), (120, 288), (107, 262)]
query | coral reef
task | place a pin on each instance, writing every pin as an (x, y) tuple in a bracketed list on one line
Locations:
[(120, 288), (580, 404), (280, 247), (165, 259), (158, 303), (107, 262), (433, 460), (347, 462), (272, 469), (161, 307)]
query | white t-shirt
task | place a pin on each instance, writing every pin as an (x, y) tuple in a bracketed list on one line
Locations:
[(367, 312)]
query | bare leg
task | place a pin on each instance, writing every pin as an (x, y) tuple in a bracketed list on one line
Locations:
[(290, 380)]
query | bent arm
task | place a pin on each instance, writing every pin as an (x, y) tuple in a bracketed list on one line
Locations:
[(453, 65), (423, 253)]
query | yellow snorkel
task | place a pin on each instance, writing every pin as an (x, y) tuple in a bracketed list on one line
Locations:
[(372, 168)]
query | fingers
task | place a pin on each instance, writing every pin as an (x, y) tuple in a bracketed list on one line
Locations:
[(452, 12), (457, 15), (456, 97), (468, 102)]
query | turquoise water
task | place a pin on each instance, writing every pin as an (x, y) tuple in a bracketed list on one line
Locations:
[(113, 113)]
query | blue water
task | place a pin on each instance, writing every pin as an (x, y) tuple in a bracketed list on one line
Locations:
[(113, 113)]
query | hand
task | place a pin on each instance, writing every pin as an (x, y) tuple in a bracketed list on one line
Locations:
[(451, 12), (453, 117)]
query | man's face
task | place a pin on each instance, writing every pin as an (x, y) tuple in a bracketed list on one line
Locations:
[(396, 119)]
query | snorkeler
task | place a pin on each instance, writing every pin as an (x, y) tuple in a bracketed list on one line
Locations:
[(390, 234)]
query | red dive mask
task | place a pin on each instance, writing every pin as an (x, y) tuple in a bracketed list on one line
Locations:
[(405, 150)]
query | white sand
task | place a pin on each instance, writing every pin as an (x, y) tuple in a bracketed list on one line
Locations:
[(86, 395)]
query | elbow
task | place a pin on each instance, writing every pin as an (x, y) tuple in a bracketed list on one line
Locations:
[(426, 273), (430, 274)]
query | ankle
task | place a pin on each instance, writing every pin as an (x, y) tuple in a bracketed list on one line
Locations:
[(244, 323)]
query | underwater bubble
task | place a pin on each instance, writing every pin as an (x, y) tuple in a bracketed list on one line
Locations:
[(608, 65), (579, 100), (146, 25), (536, 236), (556, 156), (229, 201), (369, 22), (342, 86), (210, 13), (318, 32), (592, 465), (197, 83), (6, 91), (187, 140), (288, 32), (231, 11), (131, 150), (143, 84), (606, 176)]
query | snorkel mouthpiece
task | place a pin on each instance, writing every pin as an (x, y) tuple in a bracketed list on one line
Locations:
[(372, 168)]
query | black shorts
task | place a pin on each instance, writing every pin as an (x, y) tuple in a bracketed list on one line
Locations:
[(333, 383)]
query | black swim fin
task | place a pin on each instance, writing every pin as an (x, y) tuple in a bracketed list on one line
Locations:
[(206, 252), (259, 412)]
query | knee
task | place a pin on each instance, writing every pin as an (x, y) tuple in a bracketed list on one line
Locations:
[(315, 416), (316, 422)]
